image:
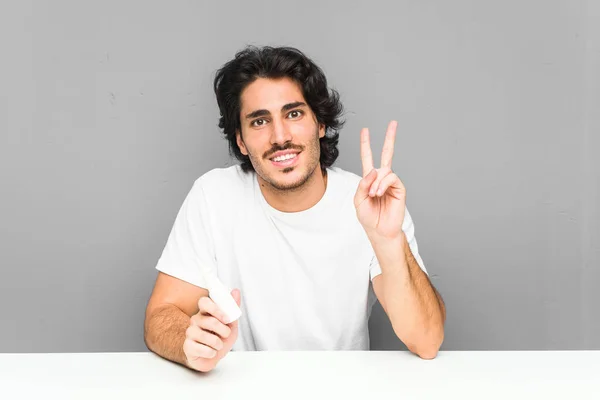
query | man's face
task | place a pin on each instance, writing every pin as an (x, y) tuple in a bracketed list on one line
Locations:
[(279, 133)]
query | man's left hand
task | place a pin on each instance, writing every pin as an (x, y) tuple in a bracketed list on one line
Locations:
[(380, 199)]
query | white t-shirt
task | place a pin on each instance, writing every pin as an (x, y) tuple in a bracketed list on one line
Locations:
[(304, 277)]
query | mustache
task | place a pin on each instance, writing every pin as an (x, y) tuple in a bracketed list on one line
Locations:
[(289, 146)]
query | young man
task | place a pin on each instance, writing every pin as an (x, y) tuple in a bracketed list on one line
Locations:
[(309, 247)]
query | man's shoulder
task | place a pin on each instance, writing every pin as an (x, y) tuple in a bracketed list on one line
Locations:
[(224, 181), (344, 177)]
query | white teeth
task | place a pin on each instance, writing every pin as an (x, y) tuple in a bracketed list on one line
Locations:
[(283, 158)]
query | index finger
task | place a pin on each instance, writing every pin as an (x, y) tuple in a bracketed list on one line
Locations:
[(206, 306), (388, 145), (365, 152)]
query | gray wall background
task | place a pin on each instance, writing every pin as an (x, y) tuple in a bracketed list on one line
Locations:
[(107, 116)]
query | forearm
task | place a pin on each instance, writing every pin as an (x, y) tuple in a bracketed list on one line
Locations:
[(164, 333), (415, 310)]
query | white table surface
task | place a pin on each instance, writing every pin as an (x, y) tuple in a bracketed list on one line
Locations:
[(285, 375)]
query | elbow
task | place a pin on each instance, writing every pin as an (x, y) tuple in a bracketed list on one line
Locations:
[(147, 337), (428, 347), (147, 340), (426, 353), (147, 331)]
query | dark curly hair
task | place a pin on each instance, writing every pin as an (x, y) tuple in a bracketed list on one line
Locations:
[(277, 62)]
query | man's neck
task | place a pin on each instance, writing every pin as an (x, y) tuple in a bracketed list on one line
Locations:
[(299, 199)]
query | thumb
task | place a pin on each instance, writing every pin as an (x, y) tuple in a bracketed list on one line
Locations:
[(365, 185), (238, 299), (237, 296)]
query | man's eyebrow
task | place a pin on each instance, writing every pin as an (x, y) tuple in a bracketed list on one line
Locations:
[(264, 113), (258, 113), (292, 105)]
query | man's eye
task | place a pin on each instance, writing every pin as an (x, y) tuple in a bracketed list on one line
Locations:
[(295, 114), (258, 122)]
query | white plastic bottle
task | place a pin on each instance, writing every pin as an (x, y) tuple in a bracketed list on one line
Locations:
[(222, 297)]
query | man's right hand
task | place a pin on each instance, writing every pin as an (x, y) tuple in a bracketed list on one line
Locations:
[(208, 339)]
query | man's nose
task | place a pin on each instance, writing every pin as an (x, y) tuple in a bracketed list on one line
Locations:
[(280, 133)]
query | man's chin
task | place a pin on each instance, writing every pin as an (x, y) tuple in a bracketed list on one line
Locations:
[(285, 185), (287, 180)]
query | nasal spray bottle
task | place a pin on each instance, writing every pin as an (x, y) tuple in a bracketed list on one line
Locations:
[(222, 297)]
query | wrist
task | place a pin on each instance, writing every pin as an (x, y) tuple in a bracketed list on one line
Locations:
[(387, 242), (389, 250)]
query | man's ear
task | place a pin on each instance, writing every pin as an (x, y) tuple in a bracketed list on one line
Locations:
[(240, 142), (321, 130)]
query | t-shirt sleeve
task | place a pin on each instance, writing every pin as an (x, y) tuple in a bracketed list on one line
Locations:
[(408, 227), (190, 249)]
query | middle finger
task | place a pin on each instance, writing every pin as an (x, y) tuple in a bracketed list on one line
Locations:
[(214, 325)]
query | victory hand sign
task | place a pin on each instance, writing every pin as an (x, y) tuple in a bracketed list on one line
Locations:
[(415, 308), (380, 199)]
